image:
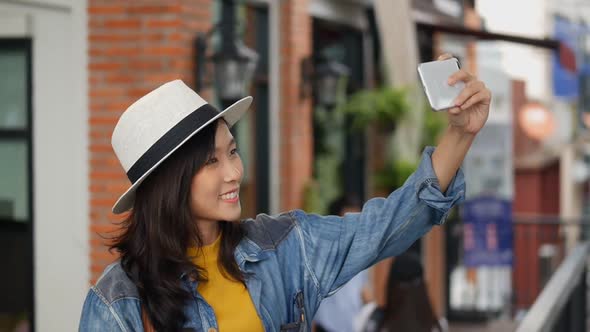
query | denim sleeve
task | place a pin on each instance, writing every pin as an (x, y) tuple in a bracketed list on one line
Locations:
[(335, 248), (97, 315)]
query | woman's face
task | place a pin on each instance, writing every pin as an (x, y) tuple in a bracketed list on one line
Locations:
[(216, 186)]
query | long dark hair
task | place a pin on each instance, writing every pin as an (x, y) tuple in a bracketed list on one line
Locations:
[(408, 307), (159, 230)]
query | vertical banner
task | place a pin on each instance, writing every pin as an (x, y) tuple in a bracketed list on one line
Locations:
[(565, 63), (487, 232)]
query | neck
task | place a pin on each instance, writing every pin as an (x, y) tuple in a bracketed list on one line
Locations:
[(209, 231)]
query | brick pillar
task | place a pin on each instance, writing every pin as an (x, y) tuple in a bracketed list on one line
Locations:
[(134, 47), (296, 112), (536, 192)]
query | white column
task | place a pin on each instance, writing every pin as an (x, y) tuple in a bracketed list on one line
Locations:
[(397, 32)]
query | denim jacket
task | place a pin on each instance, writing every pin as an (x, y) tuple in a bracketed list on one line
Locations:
[(296, 259)]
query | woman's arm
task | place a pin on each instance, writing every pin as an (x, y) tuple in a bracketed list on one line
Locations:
[(449, 154), (335, 249), (466, 119)]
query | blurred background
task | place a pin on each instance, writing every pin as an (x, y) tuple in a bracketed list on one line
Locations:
[(338, 110)]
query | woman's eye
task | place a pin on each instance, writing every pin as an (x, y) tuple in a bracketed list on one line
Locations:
[(234, 151), (211, 161)]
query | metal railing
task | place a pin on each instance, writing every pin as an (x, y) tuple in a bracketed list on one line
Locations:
[(541, 244), (561, 306)]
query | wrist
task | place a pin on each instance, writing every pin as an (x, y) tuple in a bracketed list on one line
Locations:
[(459, 135)]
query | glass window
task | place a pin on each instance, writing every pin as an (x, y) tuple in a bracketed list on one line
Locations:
[(14, 180), (13, 89), (16, 232)]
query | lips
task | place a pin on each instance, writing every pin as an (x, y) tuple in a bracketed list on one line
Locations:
[(230, 196)]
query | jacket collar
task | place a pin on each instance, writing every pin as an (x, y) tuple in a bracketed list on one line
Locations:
[(248, 251)]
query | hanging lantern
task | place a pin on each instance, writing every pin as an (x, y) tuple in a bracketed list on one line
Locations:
[(536, 121), (234, 63), (327, 76)]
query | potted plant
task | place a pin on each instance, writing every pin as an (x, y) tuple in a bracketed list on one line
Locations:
[(384, 107)]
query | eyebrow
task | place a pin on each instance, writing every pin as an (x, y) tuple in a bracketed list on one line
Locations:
[(232, 141)]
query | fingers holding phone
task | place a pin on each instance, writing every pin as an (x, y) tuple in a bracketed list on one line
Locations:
[(455, 90), (434, 77)]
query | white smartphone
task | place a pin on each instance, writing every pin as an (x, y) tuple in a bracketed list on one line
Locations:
[(434, 76)]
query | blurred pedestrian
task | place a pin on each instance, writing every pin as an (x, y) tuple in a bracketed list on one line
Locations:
[(408, 307)]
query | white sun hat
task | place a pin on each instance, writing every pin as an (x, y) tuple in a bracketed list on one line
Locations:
[(156, 125)]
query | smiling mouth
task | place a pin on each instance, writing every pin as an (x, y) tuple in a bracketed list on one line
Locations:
[(230, 197)]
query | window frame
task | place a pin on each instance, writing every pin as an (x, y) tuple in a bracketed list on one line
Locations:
[(11, 225), (26, 134)]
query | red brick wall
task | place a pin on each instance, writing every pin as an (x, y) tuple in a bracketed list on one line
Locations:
[(296, 117), (134, 46), (536, 191)]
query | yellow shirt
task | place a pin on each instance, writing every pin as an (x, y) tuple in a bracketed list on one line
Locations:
[(229, 299)]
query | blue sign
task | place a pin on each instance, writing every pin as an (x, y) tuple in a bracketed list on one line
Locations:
[(565, 81), (487, 231)]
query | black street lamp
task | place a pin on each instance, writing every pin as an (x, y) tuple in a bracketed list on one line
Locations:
[(234, 63), (327, 75)]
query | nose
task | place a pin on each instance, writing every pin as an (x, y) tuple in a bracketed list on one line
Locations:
[(232, 172)]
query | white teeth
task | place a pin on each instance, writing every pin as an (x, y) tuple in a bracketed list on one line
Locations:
[(229, 196)]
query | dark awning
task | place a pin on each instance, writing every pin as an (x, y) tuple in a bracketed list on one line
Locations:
[(567, 57), (485, 35)]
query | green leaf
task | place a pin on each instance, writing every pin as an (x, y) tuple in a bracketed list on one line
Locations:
[(383, 106)]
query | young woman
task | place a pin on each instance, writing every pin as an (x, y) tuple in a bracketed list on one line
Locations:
[(188, 263)]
